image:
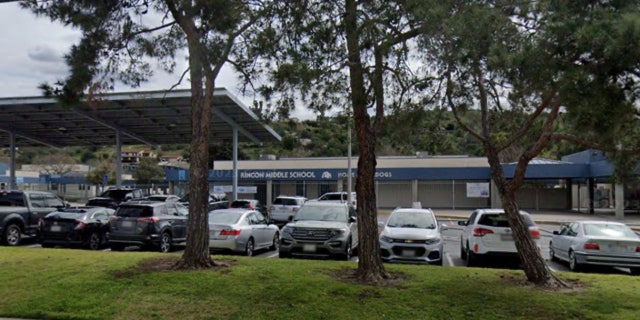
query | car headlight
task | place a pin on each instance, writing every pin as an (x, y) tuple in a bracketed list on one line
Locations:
[(337, 232), (287, 229), (386, 239), (432, 241)]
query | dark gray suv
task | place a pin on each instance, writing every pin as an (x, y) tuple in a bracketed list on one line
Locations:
[(321, 229), (159, 225)]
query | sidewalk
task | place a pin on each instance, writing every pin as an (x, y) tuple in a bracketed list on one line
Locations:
[(631, 219)]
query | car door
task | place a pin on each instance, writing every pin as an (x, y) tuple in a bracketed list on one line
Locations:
[(259, 229), (564, 241), (178, 222), (468, 227)]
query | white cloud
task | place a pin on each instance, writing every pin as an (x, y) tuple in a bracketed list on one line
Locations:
[(32, 52)]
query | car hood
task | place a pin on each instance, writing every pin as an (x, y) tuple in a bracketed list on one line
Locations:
[(410, 233), (317, 224)]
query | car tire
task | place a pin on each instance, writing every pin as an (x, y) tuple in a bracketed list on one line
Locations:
[(165, 242), (248, 249), (463, 252), (471, 257), (573, 262), (117, 247), (12, 235), (348, 251), (275, 245), (635, 271), (552, 254), (94, 241)]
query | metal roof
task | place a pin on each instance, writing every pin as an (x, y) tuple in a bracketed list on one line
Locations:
[(144, 117)]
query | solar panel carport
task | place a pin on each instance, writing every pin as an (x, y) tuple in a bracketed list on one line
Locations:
[(144, 117)]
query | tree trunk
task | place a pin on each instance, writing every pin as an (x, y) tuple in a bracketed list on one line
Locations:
[(535, 268), (196, 254), (370, 267)]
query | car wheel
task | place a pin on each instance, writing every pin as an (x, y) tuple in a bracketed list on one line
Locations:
[(635, 271), (573, 262), (552, 254), (471, 257), (348, 251), (463, 252), (94, 241), (275, 245), (248, 250), (165, 242), (12, 235), (117, 247)]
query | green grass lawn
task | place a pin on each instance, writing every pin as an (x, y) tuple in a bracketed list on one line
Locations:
[(78, 284)]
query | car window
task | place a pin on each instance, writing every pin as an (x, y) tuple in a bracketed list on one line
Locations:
[(472, 218), (332, 197), (172, 210), (224, 217), (182, 209), (100, 215), (608, 230), (134, 212), (11, 199), (161, 210), (564, 231), (500, 220), (573, 230), (260, 218), (52, 201), (37, 200)]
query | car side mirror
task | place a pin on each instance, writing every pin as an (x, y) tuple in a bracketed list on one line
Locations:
[(444, 227), (380, 225), (462, 222), (352, 218), (556, 232)]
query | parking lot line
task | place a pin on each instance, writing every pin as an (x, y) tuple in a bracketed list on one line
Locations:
[(449, 260)]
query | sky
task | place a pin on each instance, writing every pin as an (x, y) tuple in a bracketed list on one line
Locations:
[(32, 52)]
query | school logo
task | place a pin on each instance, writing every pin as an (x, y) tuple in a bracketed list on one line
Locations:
[(326, 175)]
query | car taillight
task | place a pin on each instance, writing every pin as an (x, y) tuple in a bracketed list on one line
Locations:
[(638, 249), (148, 219), (535, 233), (114, 218), (591, 246), (81, 225), (230, 232), (481, 232)]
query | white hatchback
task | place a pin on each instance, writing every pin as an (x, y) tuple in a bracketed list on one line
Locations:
[(487, 233)]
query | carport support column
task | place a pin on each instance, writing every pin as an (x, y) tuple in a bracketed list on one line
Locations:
[(619, 201), (12, 167), (118, 159), (235, 163), (591, 186)]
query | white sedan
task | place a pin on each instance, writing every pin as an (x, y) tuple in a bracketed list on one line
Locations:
[(241, 230), (603, 243)]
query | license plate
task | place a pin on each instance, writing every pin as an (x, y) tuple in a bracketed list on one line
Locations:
[(506, 237), (127, 224), (408, 253), (56, 228), (309, 248)]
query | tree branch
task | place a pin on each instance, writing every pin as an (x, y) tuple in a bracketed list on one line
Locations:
[(527, 125), (454, 109)]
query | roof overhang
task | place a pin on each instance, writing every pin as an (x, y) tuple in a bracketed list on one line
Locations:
[(152, 117)]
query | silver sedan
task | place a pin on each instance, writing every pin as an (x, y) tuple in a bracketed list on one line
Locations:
[(241, 230), (603, 243)]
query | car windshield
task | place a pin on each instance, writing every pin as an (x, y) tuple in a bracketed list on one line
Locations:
[(500, 220), (608, 230), (285, 201), (321, 213), (241, 204), (411, 219), (115, 194), (134, 212), (224, 217)]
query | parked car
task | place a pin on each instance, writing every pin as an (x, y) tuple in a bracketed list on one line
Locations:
[(411, 236), (341, 196), (163, 198), (487, 233), (87, 227), (241, 230), (216, 201), (21, 211), (159, 225), (284, 208), (113, 197), (603, 243), (321, 229), (251, 204)]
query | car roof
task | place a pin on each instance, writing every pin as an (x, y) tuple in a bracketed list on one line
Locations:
[(425, 210), (231, 210)]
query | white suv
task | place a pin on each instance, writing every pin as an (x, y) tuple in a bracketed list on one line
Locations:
[(284, 208), (342, 196), (487, 233)]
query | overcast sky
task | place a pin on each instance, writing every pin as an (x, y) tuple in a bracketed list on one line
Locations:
[(32, 50)]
